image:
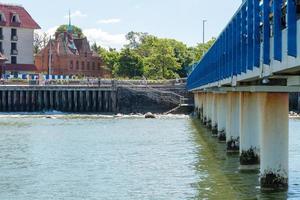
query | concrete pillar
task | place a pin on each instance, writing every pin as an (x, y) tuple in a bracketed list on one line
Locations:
[(94, 101), (70, 101), (114, 101), (214, 118), (81, 100), (88, 101), (222, 109), (298, 95), (64, 100), (204, 120), (274, 140), (57, 100), (16, 101), (106, 101), (52, 100), (208, 110), (99, 102), (40, 100), (22, 101), (233, 122), (75, 101), (1, 101), (33, 100), (27, 100), (4, 100), (9, 100), (46, 100), (250, 130), (200, 110)]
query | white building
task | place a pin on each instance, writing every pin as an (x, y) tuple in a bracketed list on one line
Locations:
[(16, 38)]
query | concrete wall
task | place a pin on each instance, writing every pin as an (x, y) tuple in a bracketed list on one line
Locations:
[(24, 45)]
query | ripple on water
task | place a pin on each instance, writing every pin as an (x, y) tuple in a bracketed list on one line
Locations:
[(71, 156)]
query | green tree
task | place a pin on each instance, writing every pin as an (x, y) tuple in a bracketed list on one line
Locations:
[(162, 63), (76, 30), (130, 64), (110, 58), (134, 39)]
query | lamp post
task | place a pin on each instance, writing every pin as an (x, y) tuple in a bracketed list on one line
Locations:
[(204, 21)]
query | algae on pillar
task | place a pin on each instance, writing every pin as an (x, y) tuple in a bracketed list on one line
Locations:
[(233, 122), (250, 130), (221, 109), (274, 140), (214, 118)]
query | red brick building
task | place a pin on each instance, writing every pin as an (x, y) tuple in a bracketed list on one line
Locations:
[(70, 55)]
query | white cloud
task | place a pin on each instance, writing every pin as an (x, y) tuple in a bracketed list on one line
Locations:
[(49, 32), (105, 39), (76, 14), (109, 21)]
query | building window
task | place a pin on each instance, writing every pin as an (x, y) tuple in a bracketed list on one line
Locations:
[(1, 33), (85, 54), (13, 60), (94, 66), (2, 17), (1, 48), (77, 64), (14, 50), (99, 66), (88, 66), (15, 19), (82, 65), (71, 64), (14, 35)]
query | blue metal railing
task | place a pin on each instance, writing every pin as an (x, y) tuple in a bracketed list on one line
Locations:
[(238, 47)]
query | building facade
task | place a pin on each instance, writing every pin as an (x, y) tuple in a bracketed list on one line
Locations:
[(16, 39), (70, 54)]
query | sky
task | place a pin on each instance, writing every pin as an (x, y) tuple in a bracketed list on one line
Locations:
[(106, 22)]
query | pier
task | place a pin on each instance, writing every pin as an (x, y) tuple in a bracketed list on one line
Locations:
[(242, 86), (59, 98)]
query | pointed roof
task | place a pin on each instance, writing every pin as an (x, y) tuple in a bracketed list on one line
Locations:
[(26, 21)]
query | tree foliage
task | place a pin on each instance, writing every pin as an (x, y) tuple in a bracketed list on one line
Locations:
[(40, 40), (76, 30), (148, 56)]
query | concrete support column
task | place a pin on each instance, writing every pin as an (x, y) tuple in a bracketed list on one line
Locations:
[(274, 140), (22, 101), (75, 97), (94, 101), (250, 130), (9, 100), (233, 122), (99, 102), (214, 118), (222, 109), (201, 99), (16, 100), (209, 110), (204, 119), (70, 101)]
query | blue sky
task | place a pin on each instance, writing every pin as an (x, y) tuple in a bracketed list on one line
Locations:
[(107, 21)]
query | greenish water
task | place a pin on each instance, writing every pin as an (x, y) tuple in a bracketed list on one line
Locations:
[(90, 157)]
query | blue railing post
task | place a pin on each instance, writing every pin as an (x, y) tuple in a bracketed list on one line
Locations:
[(277, 30), (292, 28)]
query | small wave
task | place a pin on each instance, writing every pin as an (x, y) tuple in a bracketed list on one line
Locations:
[(57, 114)]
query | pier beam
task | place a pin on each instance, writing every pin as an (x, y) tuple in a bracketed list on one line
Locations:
[(274, 140), (250, 130)]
